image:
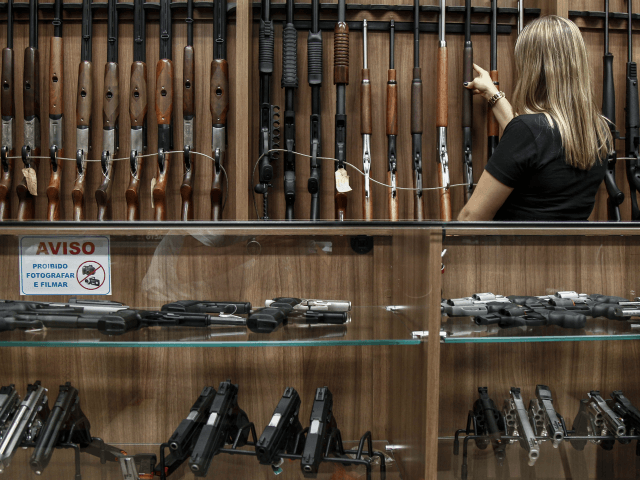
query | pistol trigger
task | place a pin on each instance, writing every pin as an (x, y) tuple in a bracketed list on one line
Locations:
[(3, 158), (26, 156), (187, 158), (53, 150)]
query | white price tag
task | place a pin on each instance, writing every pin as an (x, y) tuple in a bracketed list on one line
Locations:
[(342, 181)]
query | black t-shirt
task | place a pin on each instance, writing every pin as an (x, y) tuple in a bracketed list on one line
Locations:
[(531, 160)]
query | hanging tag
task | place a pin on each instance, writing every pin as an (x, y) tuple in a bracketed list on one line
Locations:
[(342, 181), (153, 185), (32, 180)]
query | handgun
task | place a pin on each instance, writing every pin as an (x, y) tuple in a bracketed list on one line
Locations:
[(9, 400), (517, 423), (283, 431), (545, 420), (182, 441), (306, 304), (493, 423), (87, 307), (226, 421), (323, 423), (197, 306), (26, 423), (60, 428), (596, 419), (477, 304), (622, 407)]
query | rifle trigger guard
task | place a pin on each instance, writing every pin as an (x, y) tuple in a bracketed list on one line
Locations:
[(161, 159), (4, 159), (80, 161), (187, 158), (133, 162), (104, 162), (26, 156), (53, 151), (216, 159)]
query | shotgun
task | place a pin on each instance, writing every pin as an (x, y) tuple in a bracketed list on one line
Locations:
[(290, 84), (442, 119), (188, 119), (520, 16), (269, 114), (314, 73), (392, 127), (341, 80), (137, 110), (8, 114), (616, 197), (632, 125), (164, 111), (27, 191), (416, 117), (56, 118), (493, 129), (467, 103), (110, 113), (84, 100), (366, 128), (219, 104)]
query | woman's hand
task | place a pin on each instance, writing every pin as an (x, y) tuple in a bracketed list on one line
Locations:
[(482, 84)]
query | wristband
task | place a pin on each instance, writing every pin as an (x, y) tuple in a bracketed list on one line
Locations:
[(493, 100)]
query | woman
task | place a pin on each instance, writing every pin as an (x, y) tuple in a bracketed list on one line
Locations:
[(550, 160)]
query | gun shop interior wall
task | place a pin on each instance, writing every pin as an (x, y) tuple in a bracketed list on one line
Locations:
[(538, 265)]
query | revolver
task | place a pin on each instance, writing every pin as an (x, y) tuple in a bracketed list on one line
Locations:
[(545, 419), (630, 415), (596, 419), (477, 304), (517, 423), (489, 421)]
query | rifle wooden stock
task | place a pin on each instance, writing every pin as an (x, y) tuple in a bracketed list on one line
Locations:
[(111, 105), (159, 192), (219, 91), (55, 109), (8, 110), (493, 129), (77, 195), (138, 107), (188, 110), (341, 205), (445, 200), (216, 195), (442, 119), (341, 53), (26, 201), (416, 127), (103, 197), (393, 202), (366, 128), (84, 100), (164, 110)]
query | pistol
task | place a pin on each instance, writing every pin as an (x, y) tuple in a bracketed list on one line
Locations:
[(226, 421), (9, 400), (183, 439), (622, 407), (26, 423), (307, 304), (323, 423), (61, 427), (477, 304), (198, 306), (492, 423), (596, 419), (546, 421), (283, 431), (517, 423)]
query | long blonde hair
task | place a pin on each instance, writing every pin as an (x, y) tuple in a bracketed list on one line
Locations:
[(553, 77)]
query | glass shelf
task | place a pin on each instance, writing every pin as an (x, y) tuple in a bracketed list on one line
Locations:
[(464, 330), (61, 466), (368, 326)]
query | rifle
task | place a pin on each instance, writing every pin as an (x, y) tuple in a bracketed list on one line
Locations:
[(290, 84), (84, 100), (467, 103), (188, 116), (314, 73), (62, 427), (110, 113), (283, 432), (227, 422), (366, 128), (341, 80), (269, 114), (56, 114), (9, 400), (137, 110), (184, 438), (26, 423), (8, 114), (164, 111), (596, 419), (219, 104), (493, 129), (27, 190), (442, 119), (632, 125), (520, 16), (518, 424), (616, 197), (416, 117), (392, 128), (546, 422)]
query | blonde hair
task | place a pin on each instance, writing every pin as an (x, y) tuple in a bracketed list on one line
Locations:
[(553, 77)]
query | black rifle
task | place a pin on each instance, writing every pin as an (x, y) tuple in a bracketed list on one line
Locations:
[(185, 436), (290, 84), (8, 119), (188, 119), (284, 431), (341, 80), (416, 116), (269, 114), (493, 128), (616, 197), (227, 423), (323, 429), (392, 127), (467, 104), (65, 425), (314, 73), (9, 400), (632, 125)]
